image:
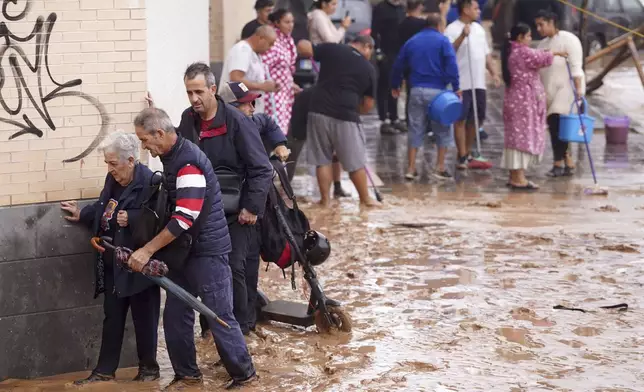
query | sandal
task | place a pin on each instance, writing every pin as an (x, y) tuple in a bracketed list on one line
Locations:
[(527, 187)]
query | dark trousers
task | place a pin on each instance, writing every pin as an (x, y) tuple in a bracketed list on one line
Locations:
[(387, 104), (210, 279), (145, 315), (559, 148), (296, 148), (244, 270)]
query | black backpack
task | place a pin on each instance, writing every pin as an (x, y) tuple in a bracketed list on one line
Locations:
[(276, 248)]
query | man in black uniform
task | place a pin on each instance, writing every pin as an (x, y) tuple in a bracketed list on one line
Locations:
[(263, 9), (232, 142), (386, 17)]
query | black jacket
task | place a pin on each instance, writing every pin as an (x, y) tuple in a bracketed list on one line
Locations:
[(125, 283), (271, 133), (234, 142), (384, 27)]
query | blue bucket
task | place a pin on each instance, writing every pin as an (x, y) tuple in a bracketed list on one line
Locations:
[(570, 129), (446, 108)]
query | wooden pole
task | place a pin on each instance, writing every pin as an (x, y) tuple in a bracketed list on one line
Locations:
[(583, 33), (636, 58), (597, 82), (605, 51)]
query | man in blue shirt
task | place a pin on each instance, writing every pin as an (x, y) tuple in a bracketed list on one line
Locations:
[(430, 61)]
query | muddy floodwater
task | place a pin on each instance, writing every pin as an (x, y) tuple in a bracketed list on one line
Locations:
[(454, 291)]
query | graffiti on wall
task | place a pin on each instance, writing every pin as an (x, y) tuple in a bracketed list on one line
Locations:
[(20, 63)]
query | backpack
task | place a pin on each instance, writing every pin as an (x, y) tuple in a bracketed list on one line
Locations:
[(276, 248)]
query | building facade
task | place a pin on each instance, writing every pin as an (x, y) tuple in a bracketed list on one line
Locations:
[(72, 71)]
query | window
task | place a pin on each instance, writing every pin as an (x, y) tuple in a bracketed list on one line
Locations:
[(632, 6), (611, 6)]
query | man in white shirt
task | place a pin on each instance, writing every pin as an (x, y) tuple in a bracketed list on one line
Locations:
[(559, 93), (243, 63), (473, 55)]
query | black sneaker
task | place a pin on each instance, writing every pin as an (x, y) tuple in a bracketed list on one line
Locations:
[(482, 134), (569, 171), (399, 125), (388, 129), (180, 382), (339, 192), (94, 377), (234, 384), (442, 175), (462, 162), (147, 375), (556, 171)]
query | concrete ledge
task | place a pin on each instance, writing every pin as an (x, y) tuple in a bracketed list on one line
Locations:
[(49, 321)]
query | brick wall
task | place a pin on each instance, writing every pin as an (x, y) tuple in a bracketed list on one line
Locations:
[(92, 66)]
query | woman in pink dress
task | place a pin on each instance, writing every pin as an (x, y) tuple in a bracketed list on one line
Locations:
[(524, 105), (280, 65)]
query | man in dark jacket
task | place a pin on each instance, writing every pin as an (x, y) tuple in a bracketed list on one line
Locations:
[(195, 193), (386, 17), (230, 140), (237, 95)]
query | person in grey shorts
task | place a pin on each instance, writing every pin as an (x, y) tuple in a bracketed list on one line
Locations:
[(345, 89), (430, 61), (345, 137)]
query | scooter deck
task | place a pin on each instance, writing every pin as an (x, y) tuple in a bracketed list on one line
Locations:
[(293, 313)]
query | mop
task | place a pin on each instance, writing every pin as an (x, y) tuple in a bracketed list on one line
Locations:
[(479, 157), (595, 190)]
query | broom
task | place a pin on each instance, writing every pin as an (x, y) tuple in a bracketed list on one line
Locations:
[(595, 190), (474, 104)]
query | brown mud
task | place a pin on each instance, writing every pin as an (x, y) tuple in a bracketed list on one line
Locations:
[(454, 293)]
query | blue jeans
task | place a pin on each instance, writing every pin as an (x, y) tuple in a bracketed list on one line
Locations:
[(209, 278), (419, 100)]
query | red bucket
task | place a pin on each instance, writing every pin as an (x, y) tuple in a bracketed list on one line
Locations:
[(617, 129)]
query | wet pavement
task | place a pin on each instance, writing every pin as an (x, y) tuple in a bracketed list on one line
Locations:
[(451, 286)]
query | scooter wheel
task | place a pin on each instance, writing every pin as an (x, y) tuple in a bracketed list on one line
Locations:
[(341, 319)]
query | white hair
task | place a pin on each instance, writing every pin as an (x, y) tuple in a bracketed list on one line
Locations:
[(125, 144)]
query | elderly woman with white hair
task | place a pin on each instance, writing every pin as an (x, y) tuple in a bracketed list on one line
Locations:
[(118, 204)]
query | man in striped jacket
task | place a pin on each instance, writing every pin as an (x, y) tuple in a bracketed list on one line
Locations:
[(195, 192)]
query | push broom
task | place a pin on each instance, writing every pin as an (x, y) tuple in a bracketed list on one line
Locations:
[(595, 190), (479, 157)]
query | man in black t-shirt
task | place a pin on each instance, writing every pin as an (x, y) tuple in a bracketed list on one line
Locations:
[(263, 9), (345, 89), (386, 16), (297, 128)]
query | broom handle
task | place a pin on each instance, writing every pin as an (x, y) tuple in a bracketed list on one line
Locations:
[(581, 121), (474, 102)]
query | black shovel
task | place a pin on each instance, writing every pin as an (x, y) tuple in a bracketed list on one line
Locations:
[(100, 243)]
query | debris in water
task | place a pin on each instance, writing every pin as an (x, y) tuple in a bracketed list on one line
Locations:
[(489, 204), (419, 225), (607, 208), (328, 369), (471, 327), (620, 248)]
